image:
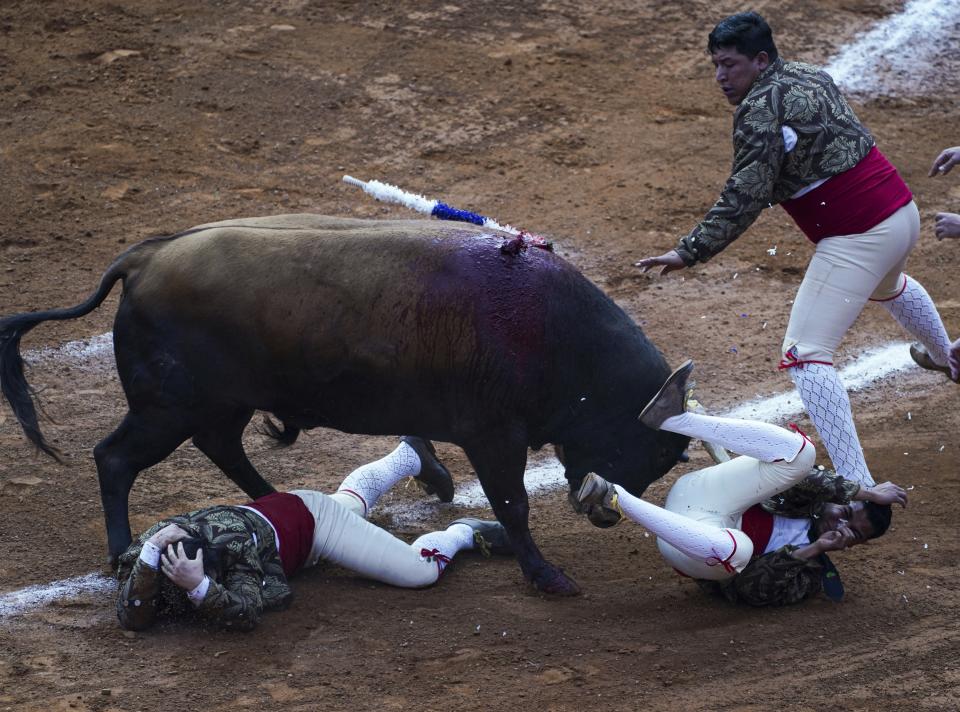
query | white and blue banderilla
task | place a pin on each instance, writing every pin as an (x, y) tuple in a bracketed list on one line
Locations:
[(388, 193)]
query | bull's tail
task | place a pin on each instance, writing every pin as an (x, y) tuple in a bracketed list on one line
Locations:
[(13, 383)]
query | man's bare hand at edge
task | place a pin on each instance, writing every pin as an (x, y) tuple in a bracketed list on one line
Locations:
[(947, 225), (948, 158)]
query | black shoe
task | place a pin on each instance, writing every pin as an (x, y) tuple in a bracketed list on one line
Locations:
[(434, 478), (922, 357), (489, 537), (670, 400)]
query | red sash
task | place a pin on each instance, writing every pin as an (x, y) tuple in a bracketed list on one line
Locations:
[(294, 526), (851, 202), (758, 525)]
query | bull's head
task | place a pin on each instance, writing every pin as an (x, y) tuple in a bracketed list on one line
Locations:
[(632, 456)]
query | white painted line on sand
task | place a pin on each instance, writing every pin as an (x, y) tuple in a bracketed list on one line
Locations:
[(95, 353), (31, 597), (910, 53), (868, 367)]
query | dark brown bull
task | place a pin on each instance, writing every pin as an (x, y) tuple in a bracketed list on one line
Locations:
[(377, 327)]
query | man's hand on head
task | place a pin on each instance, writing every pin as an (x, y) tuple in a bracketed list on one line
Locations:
[(948, 158), (168, 535), (185, 572), (836, 540), (885, 493)]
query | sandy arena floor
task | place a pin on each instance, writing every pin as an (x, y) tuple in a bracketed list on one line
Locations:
[(598, 124)]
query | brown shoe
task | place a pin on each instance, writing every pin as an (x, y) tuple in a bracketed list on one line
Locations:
[(922, 357), (670, 399)]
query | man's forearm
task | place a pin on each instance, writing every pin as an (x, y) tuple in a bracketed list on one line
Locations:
[(810, 551)]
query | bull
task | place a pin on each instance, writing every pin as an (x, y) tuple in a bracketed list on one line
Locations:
[(374, 327)]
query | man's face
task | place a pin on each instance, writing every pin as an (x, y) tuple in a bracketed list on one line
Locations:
[(853, 516), (736, 72)]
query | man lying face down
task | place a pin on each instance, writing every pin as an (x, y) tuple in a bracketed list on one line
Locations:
[(229, 563)]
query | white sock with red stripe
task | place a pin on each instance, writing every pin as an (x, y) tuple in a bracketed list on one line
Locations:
[(915, 311), (369, 482), (763, 441), (704, 542), (442, 546), (828, 406)]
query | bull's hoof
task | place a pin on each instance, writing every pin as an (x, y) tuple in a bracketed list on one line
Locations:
[(110, 565), (556, 583)]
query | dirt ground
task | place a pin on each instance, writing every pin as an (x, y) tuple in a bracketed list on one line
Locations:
[(597, 124)]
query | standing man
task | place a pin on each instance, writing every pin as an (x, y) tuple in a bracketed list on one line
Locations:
[(797, 143)]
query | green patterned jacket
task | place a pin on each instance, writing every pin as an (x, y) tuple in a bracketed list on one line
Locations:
[(779, 578), (830, 140), (248, 580)]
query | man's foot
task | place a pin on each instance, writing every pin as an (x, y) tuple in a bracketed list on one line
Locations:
[(597, 494), (489, 537), (434, 478), (670, 399), (922, 357)]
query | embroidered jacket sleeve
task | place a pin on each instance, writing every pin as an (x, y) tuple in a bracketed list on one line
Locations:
[(139, 585), (830, 140), (774, 579), (807, 497), (757, 155)]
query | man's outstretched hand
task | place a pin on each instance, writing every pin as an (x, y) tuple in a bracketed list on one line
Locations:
[(668, 262)]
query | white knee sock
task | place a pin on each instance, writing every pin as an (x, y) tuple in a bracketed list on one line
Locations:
[(442, 546), (763, 441), (828, 406), (369, 482), (704, 542), (915, 311)]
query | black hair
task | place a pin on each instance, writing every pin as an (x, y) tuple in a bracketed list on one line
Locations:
[(747, 32), (879, 516), (211, 554)]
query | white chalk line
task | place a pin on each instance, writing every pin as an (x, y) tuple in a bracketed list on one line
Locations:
[(544, 474), (910, 53), (95, 353), (32, 597)]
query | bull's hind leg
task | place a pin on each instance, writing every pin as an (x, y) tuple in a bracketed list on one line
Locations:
[(220, 440), (140, 441), (500, 459)]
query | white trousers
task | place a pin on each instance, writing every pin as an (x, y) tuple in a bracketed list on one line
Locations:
[(343, 536), (719, 496), (844, 273)]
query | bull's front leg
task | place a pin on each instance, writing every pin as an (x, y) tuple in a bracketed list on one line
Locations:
[(500, 460)]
